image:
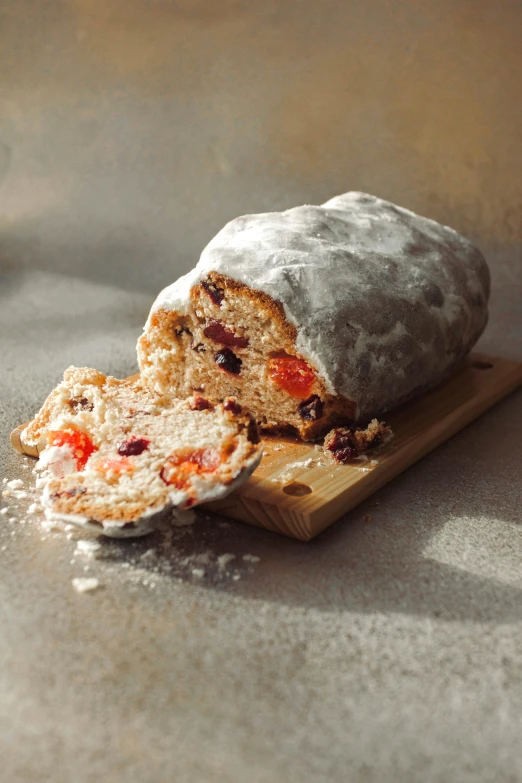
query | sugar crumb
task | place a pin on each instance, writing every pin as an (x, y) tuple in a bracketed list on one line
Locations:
[(84, 584), (15, 484), (87, 547), (251, 558), (224, 560), (198, 573)]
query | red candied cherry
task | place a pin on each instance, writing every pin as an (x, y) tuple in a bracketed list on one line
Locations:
[(79, 442), (293, 375), (219, 333)]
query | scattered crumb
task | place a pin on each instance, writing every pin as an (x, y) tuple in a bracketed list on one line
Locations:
[(4, 510), (278, 448), (236, 577), (182, 518), (21, 494), (368, 518), (198, 573), (15, 484), (302, 464), (251, 558), (6, 493), (12, 519), (33, 508), (224, 560), (84, 584), (374, 462), (87, 547), (4, 481), (4, 548), (69, 528)]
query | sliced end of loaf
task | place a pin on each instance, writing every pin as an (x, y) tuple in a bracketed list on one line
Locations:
[(115, 454), (236, 341)]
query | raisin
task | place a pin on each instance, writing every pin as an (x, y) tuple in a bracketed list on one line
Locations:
[(219, 333), (81, 402), (253, 432), (312, 408), (133, 413), (216, 294), (133, 447), (69, 493), (227, 361), (232, 406), (201, 404)]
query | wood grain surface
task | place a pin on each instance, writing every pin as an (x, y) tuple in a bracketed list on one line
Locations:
[(299, 492)]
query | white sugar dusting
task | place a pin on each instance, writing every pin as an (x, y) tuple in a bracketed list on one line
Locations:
[(325, 264)]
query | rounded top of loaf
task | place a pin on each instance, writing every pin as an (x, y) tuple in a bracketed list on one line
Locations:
[(371, 288)]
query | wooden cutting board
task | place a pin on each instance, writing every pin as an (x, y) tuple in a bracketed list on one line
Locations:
[(297, 491)]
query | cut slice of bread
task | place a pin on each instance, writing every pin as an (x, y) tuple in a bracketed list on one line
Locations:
[(115, 454)]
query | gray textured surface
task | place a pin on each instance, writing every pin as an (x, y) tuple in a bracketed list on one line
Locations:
[(385, 650)]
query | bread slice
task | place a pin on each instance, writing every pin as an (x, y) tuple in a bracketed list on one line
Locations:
[(115, 454)]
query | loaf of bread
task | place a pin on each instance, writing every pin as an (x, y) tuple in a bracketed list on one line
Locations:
[(319, 315), (115, 454)]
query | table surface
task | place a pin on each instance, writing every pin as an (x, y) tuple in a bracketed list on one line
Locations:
[(389, 648)]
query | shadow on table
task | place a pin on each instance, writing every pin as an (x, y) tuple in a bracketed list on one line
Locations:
[(378, 565)]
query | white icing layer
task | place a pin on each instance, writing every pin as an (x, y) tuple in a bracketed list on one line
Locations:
[(384, 301)]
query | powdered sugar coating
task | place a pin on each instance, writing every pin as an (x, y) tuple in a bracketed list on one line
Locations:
[(384, 301)]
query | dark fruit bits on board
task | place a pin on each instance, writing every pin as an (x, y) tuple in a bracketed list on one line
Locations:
[(133, 447), (312, 408), (227, 361)]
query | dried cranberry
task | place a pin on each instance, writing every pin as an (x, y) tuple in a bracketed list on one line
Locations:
[(219, 333), (216, 294), (201, 404), (133, 447), (312, 408), (81, 402), (227, 361), (343, 445), (232, 406)]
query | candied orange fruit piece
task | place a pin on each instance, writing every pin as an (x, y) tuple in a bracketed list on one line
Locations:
[(293, 375), (80, 443), (115, 465), (180, 467)]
